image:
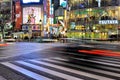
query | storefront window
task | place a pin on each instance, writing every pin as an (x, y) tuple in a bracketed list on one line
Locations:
[(94, 18)]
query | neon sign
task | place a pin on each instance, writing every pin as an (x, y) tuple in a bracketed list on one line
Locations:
[(29, 1), (63, 3)]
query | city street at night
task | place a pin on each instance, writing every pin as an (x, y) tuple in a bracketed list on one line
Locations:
[(58, 61), (59, 39)]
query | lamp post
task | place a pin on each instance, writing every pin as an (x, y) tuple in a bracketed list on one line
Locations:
[(40, 22)]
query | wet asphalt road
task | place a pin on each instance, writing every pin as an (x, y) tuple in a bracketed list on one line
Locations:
[(56, 61), (26, 50)]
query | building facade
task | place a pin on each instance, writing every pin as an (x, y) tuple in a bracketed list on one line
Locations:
[(93, 19), (28, 17), (5, 18)]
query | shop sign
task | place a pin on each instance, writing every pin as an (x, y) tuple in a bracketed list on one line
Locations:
[(108, 22)]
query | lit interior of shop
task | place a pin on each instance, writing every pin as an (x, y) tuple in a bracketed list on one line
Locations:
[(84, 23)]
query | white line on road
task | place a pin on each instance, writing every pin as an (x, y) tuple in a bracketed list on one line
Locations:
[(81, 72), (25, 72), (62, 75)]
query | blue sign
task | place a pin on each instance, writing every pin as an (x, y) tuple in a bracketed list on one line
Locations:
[(63, 3)]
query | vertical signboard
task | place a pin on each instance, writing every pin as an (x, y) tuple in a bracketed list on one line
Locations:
[(18, 15)]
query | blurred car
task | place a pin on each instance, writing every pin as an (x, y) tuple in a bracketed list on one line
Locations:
[(9, 39)]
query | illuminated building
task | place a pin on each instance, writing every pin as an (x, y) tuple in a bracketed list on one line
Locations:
[(5, 18), (59, 25), (29, 17), (94, 19)]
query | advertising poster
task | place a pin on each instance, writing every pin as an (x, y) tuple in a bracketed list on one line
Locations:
[(31, 2), (31, 15)]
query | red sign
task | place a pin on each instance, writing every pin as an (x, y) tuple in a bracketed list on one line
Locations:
[(18, 14)]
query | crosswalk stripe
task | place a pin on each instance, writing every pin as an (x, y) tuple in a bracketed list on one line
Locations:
[(81, 72), (105, 63), (110, 58), (25, 72), (40, 72), (65, 76), (101, 66), (69, 70), (107, 70), (108, 61), (92, 69)]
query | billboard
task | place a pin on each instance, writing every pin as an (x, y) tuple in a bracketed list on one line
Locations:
[(30, 2), (18, 18), (32, 15)]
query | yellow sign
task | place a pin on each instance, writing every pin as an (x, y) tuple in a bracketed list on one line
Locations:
[(60, 18)]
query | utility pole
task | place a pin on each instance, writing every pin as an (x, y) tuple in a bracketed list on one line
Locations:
[(40, 27)]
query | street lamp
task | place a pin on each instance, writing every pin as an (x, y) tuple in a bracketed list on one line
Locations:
[(40, 22)]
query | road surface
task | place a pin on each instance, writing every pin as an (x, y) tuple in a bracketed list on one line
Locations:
[(56, 61)]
